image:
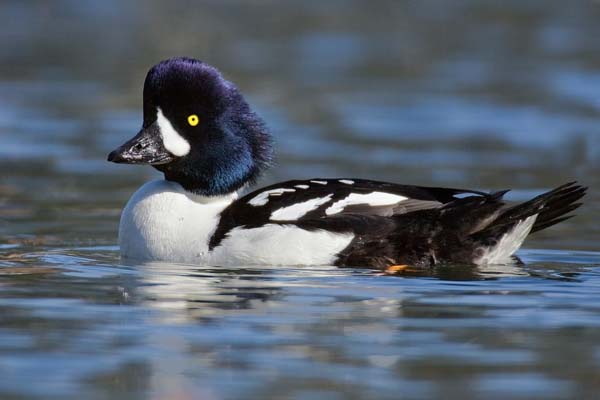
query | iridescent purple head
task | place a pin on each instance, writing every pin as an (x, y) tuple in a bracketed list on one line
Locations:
[(198, 130)]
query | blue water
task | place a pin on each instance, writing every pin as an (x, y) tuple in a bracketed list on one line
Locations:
[(473, 94)]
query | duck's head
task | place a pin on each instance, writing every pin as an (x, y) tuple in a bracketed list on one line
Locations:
[(198, 130)]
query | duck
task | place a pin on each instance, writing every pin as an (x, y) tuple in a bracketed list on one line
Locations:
[(210, 145)]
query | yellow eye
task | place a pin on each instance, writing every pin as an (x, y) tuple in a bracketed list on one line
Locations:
[(193, 120)]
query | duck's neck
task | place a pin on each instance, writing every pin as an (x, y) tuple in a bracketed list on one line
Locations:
[(201, 199)]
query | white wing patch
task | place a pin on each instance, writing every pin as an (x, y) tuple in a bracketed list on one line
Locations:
[(172, 140), (296, 211), (320, 182), (346, 181), (263, 198), (302, 186), (508, 244), (372, 199)]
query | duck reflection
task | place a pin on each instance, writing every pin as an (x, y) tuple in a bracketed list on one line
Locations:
[(186, 293), (191, 293)]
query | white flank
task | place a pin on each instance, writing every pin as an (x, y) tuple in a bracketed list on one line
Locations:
[(295, 211), (302, 186), (320, 182), (263, 198), (346, 181), (273, 244), (172, 140), (372, 199), (508, 244)]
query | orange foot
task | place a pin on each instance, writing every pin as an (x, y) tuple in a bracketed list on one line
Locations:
[(394, 269)]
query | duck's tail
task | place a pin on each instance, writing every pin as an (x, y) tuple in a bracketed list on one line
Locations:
[(506, 233), (558, 203)]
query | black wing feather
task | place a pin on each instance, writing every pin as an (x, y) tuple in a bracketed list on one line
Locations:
[(432, 225), (241, 213)]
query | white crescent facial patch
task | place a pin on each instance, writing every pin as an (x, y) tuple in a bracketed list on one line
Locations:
[(173, 141)]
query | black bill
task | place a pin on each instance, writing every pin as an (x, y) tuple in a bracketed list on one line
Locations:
[(145, 148)]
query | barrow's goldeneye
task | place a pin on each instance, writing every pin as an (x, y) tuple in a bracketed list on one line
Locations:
[(203, 136)]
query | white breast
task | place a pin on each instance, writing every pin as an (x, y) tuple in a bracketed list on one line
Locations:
[(163, 222)]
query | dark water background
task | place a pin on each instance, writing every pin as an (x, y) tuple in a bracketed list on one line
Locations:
[(480, 94)]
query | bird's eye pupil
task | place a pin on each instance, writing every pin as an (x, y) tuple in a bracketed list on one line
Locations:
[(193, 120)]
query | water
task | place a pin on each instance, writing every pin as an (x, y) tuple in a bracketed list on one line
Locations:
[(464, 93)]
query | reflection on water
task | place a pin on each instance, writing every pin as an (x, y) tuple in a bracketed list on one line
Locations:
[(465, 93), (178, 331)]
